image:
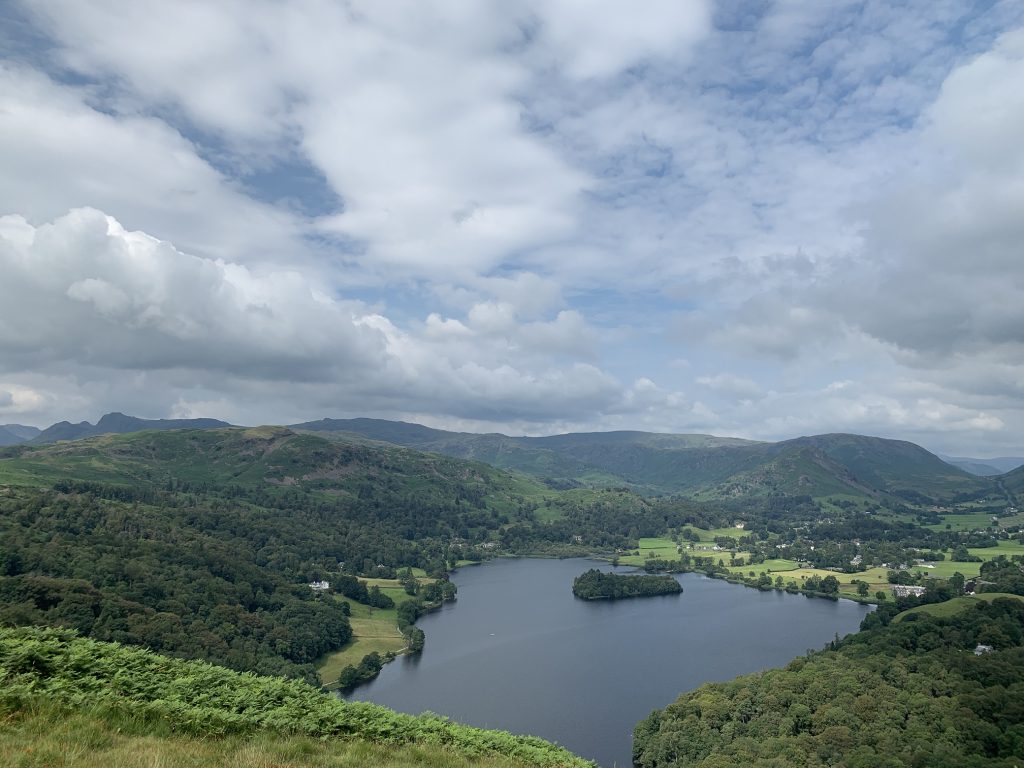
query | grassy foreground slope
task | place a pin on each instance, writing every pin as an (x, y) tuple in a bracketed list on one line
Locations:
[(71, 701)]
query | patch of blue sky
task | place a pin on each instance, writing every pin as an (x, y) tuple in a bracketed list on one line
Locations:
[(294, 184)]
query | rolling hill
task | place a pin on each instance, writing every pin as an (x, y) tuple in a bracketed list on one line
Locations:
[(703, 465), (259, 457)]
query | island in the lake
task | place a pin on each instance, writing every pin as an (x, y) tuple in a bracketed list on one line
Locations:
[(594, 585)]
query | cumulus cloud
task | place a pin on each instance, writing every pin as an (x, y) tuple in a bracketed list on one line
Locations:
[(84, 295), (518, 215), (85, 290), (58, 153), (419, 133), (947, 238)]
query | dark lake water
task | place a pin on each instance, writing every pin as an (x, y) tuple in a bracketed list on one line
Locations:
[(519, 653)]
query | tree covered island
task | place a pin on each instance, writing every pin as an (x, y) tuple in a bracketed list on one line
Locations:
[(594, 585)]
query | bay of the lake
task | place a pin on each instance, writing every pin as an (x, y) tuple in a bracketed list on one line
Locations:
[(518, 652)]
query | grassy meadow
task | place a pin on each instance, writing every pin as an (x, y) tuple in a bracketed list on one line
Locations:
[(373, 629), (790, 570), (954, 606)]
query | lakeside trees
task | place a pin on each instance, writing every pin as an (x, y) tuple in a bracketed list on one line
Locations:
[(595, 585), (904, 694)]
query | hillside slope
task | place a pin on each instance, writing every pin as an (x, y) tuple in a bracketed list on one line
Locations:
[(908, 694), (997, 466), (495, 449), (707, 466), (162, 707), (201, 543), (853, 464), (1013, 484)]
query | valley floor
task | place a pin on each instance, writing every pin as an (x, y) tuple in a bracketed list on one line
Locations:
[(790, 570)]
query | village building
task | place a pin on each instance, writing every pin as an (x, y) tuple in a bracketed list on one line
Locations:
[(906, 590)]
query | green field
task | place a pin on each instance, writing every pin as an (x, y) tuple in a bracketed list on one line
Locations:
[(962, 522), (876, 579), (373, 629), (946, 568), (1008, 548), (773, 567), (954, 606), (731, 532), (665, 549), (661, 549)]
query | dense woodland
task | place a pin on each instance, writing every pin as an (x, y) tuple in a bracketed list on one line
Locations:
[(901, 693), (186, 579), (595, 585)]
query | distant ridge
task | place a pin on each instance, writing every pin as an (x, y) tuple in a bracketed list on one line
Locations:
[(697, 465), (986, 467), (118, 423), (13, 434), (702, 465)]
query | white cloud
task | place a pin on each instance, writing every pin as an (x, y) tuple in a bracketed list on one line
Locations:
[(117, 310), (589, 38), (59, 153), (534, 202)]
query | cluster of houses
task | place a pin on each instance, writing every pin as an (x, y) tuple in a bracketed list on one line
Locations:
[(906, 590)]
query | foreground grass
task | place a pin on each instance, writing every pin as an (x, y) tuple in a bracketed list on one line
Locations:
[(53, 675), (45, 736)]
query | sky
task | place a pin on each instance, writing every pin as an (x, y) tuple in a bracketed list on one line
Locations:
[(760, 219)]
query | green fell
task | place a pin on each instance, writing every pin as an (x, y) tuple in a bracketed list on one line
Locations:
[(706, 466)]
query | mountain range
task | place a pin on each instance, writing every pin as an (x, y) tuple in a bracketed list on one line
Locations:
[(14, 434), (697, 465), (110, 424), (700, 465), (985, 467)]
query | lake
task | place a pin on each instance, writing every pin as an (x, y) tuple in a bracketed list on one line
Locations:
[(518, 652)]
